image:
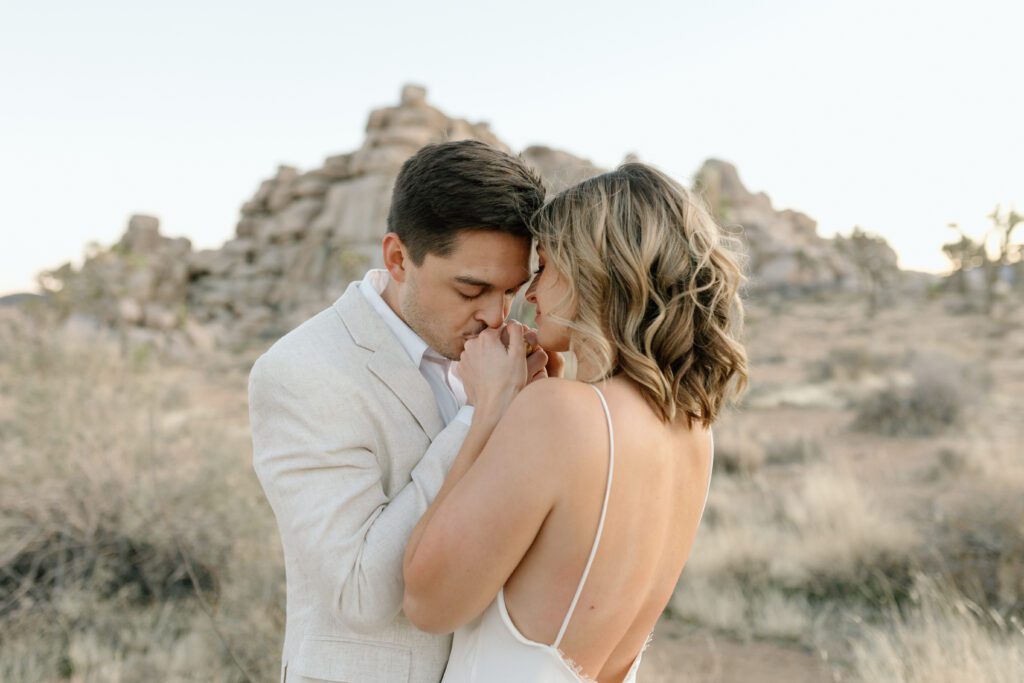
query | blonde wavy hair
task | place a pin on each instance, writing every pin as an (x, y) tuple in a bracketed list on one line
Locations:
[(653, 289)]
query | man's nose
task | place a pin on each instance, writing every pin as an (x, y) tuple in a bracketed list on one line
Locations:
[(493, 313)]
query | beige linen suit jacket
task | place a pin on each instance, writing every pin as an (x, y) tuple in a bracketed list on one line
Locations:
[(350, 448)]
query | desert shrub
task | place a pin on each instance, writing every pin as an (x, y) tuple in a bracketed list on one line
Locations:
[(737, 451), (987, 458), (850, 546), (70, 540), (134, 541), (952, 461), (933, 400), (88, 495), (980, 548), (787, 451), (849, 362), (826, 541)]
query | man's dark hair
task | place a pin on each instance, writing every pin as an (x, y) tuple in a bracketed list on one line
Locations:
[(465, 185)]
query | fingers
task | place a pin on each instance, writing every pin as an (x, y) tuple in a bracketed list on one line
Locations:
[(538, 360), (540, 374), (482, 342), (516, 343), (556, 365), (530, 335)]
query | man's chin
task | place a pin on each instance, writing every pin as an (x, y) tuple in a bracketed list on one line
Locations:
[(454, 349)]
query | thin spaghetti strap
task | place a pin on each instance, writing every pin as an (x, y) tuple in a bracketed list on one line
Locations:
[(600, 523), (711, 468)]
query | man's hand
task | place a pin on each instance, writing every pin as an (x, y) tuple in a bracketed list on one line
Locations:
[(493, 371)]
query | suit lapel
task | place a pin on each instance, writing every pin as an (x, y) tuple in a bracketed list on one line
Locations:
[(389, 362), (406, 381)]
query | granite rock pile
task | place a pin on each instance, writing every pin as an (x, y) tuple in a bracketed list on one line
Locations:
[(304, 235), (783, 248)]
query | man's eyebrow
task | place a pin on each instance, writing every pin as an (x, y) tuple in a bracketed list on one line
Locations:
[(474, 282)]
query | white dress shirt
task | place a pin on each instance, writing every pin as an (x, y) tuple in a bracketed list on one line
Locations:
[(435, 368)]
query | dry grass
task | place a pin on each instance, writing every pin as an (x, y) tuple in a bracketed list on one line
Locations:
[(126, 485), (126, 508), (769, 554), (941, 638), (826, 548), (850, 363), (737, 451)]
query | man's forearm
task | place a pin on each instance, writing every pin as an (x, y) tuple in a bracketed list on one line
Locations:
[(372, 594), (483, 425)]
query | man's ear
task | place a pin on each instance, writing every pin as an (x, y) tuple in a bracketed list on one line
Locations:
[(396, 257)]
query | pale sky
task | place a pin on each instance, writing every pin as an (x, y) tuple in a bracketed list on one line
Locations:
[(897, 116)]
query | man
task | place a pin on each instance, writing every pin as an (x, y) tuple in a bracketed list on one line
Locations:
[(357, 414)]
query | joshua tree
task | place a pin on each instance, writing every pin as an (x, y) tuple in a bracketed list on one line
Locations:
[(966, 254), (874, 260), (1003, 225)]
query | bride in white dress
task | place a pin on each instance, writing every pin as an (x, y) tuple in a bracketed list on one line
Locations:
[(568, 515)]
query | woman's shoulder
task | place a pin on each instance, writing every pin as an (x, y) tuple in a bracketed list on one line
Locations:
[(558, 408), (555, 396)]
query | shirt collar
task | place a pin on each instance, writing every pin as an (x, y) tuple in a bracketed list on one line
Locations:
[(373, 285)]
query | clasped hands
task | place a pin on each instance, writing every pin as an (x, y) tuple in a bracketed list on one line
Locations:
[(497, 363)]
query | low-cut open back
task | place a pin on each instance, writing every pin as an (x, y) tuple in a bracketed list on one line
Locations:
[(491, 648)]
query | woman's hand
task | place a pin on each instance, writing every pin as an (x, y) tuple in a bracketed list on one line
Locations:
[(537, 362), (493, 373), (540, 363)]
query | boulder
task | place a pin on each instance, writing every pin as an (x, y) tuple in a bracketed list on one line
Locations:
[(281, 193), (413, 96), (143, 234)]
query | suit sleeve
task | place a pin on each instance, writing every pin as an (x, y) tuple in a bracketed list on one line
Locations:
[(324, 482)]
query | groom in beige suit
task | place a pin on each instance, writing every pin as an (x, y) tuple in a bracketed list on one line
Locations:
[(357, 414)]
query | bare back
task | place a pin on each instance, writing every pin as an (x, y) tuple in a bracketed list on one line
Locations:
[(654, 508)]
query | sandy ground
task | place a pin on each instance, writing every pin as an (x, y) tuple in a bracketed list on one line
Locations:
[(693, 655)]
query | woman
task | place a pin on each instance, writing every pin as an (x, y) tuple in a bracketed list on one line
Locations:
[(564, 524)]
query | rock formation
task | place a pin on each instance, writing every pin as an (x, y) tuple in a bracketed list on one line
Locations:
[(559, 169), (783, 248), (304, 235), (299, 240)]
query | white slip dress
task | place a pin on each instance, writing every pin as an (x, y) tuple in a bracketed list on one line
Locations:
[(490, 649)]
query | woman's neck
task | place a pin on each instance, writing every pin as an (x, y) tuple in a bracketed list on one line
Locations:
[(587, 371)]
